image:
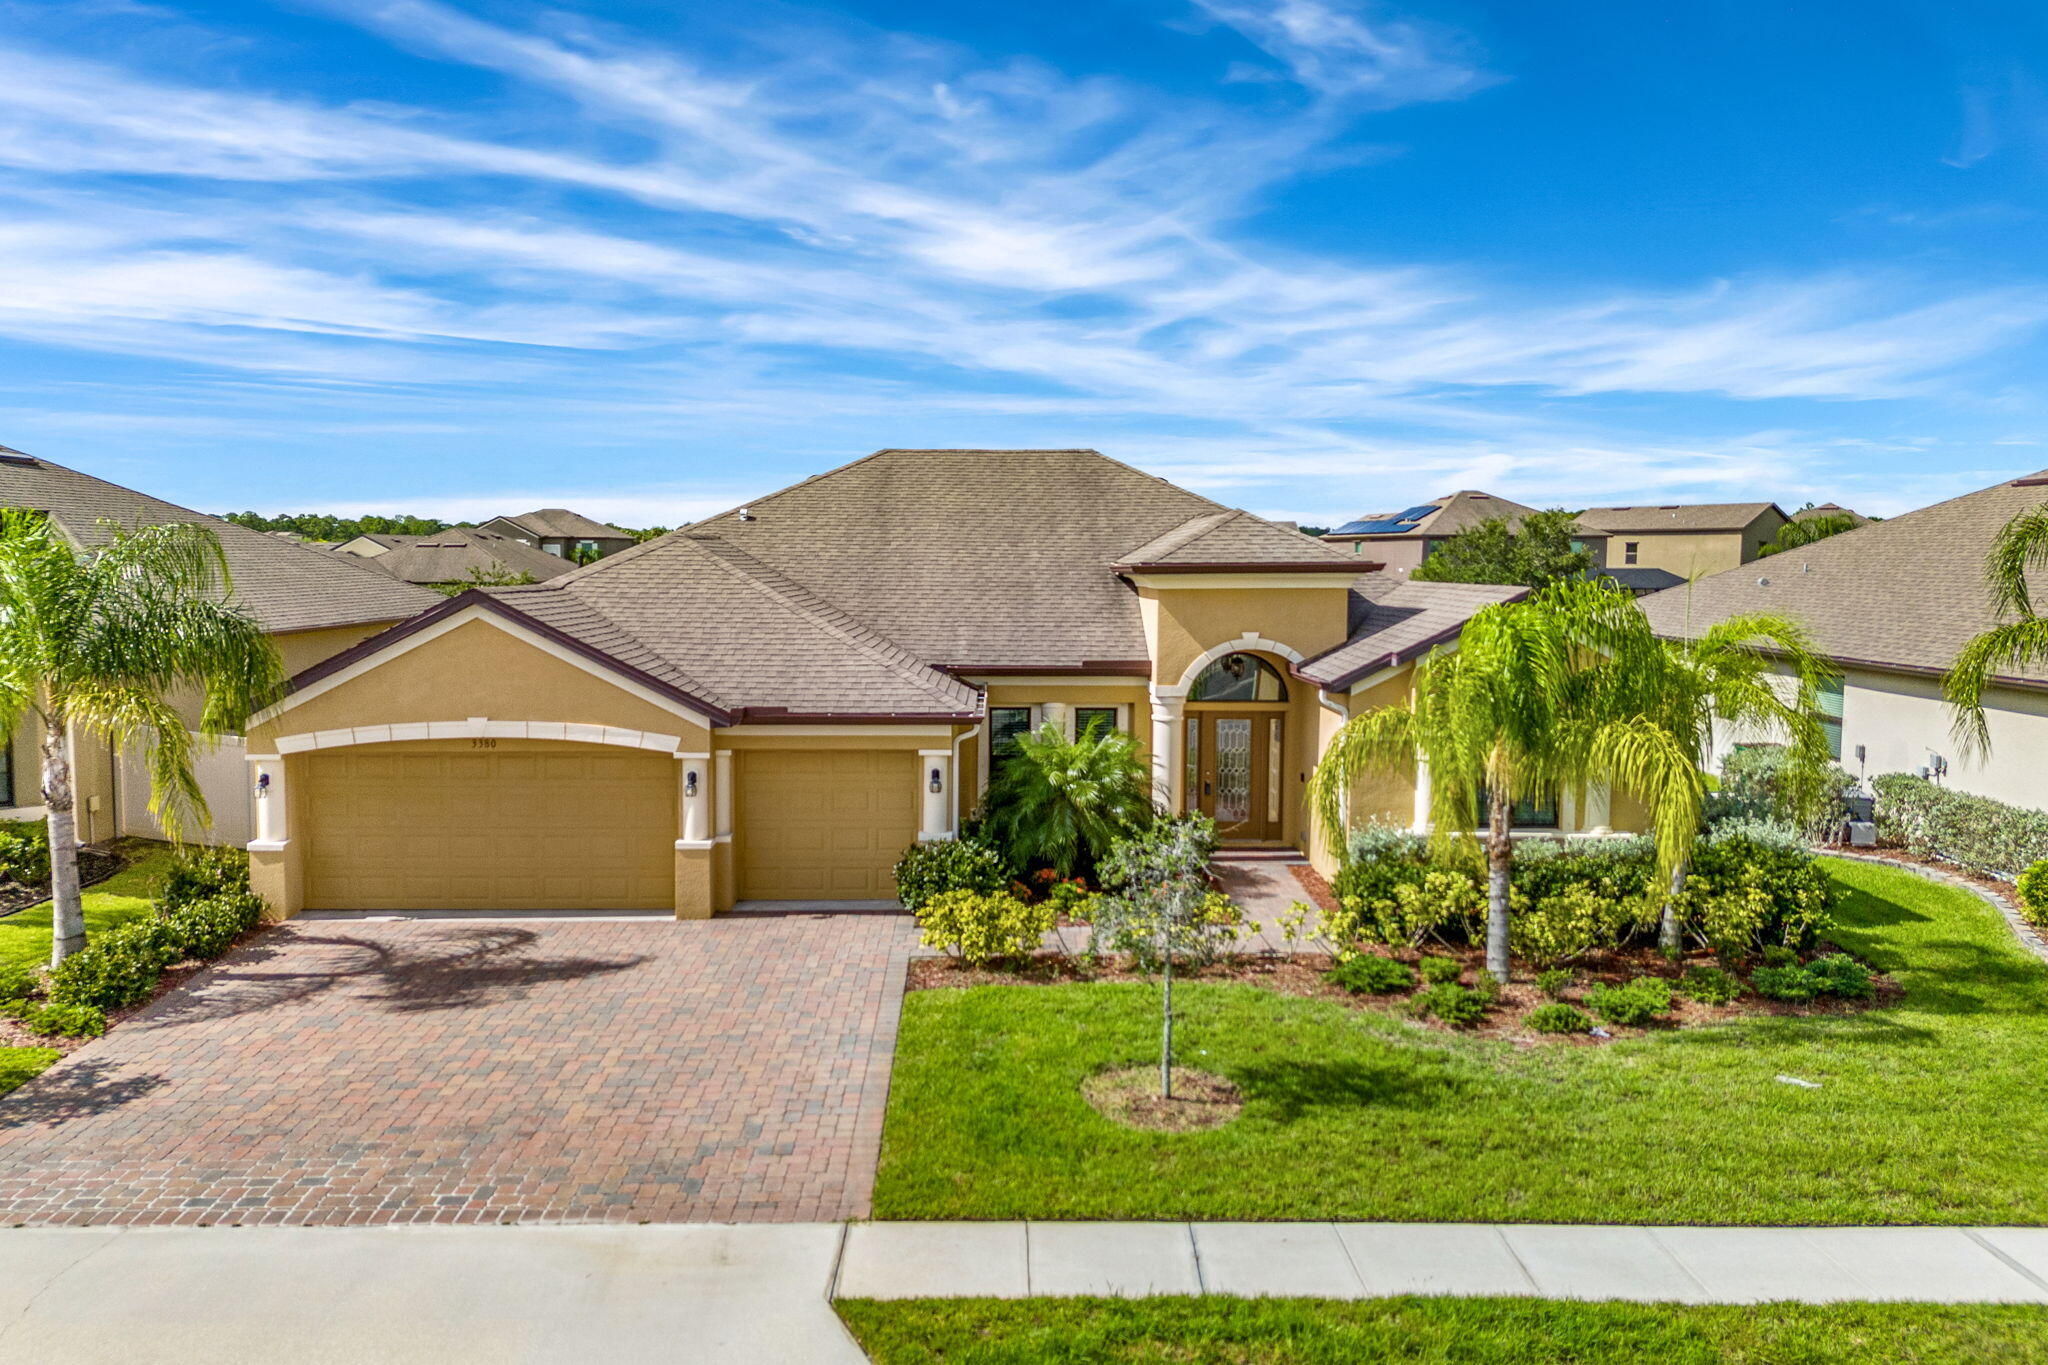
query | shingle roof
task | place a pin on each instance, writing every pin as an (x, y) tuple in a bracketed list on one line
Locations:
[(1445, 516), (462, 551), (1906, 593), (1696, 516), (560, 522), (1234, 539), (1640, 580), (721, 624), (1394, 620), (1828, 509), (284, 584), (964, 558)]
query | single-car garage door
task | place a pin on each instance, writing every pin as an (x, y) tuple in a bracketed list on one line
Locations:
[(561, 827), (824, 824)]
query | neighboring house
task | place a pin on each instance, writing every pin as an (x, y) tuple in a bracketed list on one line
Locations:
[(1829, 509), (312, 603), (1686, 539), (559, 531), (370, 544), (1892, 604), (774, 703), (1402, 540), (464, 555)]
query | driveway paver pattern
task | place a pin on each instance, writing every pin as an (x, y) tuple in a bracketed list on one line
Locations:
[(460, 1072)]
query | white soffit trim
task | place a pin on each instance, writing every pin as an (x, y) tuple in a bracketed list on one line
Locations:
[(1198, 581), (456, 622), (1122, 680), (564, 731)]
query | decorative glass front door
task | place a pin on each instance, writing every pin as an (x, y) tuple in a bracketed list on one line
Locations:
[(1234, 774)]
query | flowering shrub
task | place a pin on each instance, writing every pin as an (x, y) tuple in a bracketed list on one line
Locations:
[(1973, 832), (981, 926)]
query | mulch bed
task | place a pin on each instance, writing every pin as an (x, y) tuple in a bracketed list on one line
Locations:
[(1130, 1096), (95, 865), (1315, 887), (1303, 975)]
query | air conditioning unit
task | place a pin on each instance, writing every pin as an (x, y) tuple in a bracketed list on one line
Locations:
[(1863, 834)]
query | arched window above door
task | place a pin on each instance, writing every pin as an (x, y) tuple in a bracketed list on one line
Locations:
[(1239, 677)]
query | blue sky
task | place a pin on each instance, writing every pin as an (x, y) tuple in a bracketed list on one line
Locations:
[(1309, 257)]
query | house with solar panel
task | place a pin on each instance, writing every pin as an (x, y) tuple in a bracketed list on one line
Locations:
[(1402, 540)]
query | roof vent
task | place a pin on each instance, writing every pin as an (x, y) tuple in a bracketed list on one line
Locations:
[(746, 514), (15, 457), (1763, 582)]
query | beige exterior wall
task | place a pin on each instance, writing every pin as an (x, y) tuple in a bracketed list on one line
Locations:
[(1398, 554), (1691, 554)]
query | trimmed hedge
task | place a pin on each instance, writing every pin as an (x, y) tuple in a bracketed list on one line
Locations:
[(932, 868), (1973, 832), (25, 852)]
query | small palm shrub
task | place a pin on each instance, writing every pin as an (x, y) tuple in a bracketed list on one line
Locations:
[(1841, 976), (1371, 974), (1064, 803), (980, 926), (1440, 971), (1557, 1017), (2033, 892), (1555, 981), (1632, 1005), (1790, 982), (1710, 985), (929, 869), (1459, 1006)]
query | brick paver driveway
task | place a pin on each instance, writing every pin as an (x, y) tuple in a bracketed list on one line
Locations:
[(375, 1072)]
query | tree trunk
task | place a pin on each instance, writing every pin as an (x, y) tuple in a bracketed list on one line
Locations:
[(1667, 928), (1499, 859), (1166, 1028), (67, 910)]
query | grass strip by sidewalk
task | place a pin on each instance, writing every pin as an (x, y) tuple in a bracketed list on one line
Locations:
[(1922, 1115), (1222, 1331)]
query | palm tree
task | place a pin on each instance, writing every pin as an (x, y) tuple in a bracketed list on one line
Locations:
[(2018, 640), (100, 639), (1064, 803), (1654, 703)]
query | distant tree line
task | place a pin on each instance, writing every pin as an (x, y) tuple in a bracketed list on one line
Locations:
[(321, 526)]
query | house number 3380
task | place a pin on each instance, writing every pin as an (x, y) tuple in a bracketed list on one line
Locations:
[(483, 744)]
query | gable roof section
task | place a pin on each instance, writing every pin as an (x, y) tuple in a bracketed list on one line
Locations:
[(453, 555), (1696, 516), (964, 559), (1234, 540), (1829, 509), (561, 523), (757, 642), (1394, 620), (1905, 593), (284, 584)]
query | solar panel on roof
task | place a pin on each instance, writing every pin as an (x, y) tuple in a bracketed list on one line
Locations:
[(1387, 526)]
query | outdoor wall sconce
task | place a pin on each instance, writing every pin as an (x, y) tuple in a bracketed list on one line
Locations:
[(937, 783), (690, 782), (262, 785)]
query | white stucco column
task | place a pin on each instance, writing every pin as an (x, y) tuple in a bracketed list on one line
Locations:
[(1422, 794), (935, 793), (266, 778), (1599, 815), (721, 793), (1055, 713), (1166, 747), (693, 787)]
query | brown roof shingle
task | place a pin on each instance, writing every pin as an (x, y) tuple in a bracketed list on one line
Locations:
[(462, 551), (1905, 593), (1394, 620), (284, 584), (560, 522)]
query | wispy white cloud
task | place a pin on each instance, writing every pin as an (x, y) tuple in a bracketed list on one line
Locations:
[(1352, 52)]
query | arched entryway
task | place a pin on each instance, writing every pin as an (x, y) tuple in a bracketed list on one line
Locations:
[(1235, 737)]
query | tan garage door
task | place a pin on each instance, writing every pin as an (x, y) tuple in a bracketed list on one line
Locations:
[(574, 828), (826, 824)]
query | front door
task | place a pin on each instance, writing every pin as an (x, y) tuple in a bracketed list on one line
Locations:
[(1237, 764)]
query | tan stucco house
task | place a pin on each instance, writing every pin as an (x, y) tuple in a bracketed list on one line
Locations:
[(559, 531), (1400, 541), (466, 554), (312, 603), (1892, 603), (772, 704), (1687, 539)]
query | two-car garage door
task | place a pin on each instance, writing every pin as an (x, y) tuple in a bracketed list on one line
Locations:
[(824, 824), (568, 828)]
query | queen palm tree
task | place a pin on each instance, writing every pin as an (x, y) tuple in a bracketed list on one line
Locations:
[(2018, 640), (99, 640), (1564, 688)]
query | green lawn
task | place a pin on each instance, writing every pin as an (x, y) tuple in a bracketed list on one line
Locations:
[(1930, 1111), (25, 941), (1188, 1331)]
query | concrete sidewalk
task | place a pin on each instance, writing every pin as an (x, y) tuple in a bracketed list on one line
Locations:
[(626, 1294), (1369, 1260)]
